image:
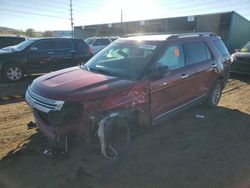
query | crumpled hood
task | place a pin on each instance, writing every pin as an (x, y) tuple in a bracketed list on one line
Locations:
[(75, 84)]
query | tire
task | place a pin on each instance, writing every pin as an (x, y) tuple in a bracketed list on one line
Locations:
[(215, 94), (13, 73)]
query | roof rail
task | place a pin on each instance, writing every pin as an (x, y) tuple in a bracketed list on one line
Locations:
[(195, 34), (143, 34)]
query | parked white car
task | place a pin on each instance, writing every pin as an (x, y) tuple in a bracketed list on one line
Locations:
[(98, 43)]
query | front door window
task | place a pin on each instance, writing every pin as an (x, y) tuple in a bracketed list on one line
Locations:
[(172, 58)]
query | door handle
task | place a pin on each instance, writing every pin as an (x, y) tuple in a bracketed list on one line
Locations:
[(72, 51), (50, 52), (183, 76)]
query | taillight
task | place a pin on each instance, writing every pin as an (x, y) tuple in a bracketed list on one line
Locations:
[(90, 50)]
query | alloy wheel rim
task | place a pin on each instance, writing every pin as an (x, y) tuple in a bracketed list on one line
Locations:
[(14, 73)]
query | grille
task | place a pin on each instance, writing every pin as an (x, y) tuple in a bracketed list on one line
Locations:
[(41, 103), (69, 113)]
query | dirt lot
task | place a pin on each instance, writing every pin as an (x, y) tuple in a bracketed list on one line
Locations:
[(184, 152)]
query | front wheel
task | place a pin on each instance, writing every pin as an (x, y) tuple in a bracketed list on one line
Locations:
[(13, 73), (215, 94)]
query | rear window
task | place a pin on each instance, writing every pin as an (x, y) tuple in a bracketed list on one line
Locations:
[(63, 45), (81, 45), (101, 42), (220, 46), (196, 52), (89, 41)]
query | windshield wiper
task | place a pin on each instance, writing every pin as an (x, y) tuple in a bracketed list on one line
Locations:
[(85, 67), (99, 71)]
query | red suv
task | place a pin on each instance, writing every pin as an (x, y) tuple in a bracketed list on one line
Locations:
[(140, 79)]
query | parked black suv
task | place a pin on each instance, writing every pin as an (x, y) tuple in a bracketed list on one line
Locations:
[(10, 40), (41, 55)]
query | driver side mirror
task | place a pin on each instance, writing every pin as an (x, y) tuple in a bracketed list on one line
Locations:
[(160, 72)]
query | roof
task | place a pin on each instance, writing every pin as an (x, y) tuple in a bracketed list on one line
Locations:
[(148, 37), (103, 37), (162, 37), (49, 38)]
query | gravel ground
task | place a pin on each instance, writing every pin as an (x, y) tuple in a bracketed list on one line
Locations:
[(183, 152)]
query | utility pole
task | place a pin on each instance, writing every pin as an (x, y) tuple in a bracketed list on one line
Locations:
[(121, 15), (71, 18), (123, 23)]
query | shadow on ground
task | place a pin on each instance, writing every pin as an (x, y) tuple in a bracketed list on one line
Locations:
[(185, 151), (8, 89), (241, 77)]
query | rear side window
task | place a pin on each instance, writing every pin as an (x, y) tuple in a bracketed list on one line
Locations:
[(80, 45), (101, 42), (113, 39), (196, 52), (220, 46), (63, 45)]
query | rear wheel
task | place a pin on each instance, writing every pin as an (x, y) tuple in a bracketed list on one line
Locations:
[(215, 93), (13, 73)]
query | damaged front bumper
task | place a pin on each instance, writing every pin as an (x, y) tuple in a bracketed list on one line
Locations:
[(56, 133), (57, 118), (41, 103)]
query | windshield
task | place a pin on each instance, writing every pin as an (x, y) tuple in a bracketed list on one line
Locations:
[(123, 60), (89, 41), (246, 48), (23, 45)]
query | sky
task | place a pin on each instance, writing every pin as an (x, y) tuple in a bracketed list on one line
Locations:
[(44, 15)]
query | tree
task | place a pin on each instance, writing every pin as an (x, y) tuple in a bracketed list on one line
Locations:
[(30, 32), (47, 34)]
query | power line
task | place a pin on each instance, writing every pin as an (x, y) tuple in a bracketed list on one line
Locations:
[(34, 8), (214, 2), (86, 6), (79, 7), (31, 13), (47, 4), (87, 3)]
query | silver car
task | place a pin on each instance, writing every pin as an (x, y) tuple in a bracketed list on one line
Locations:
[(98, 43)]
